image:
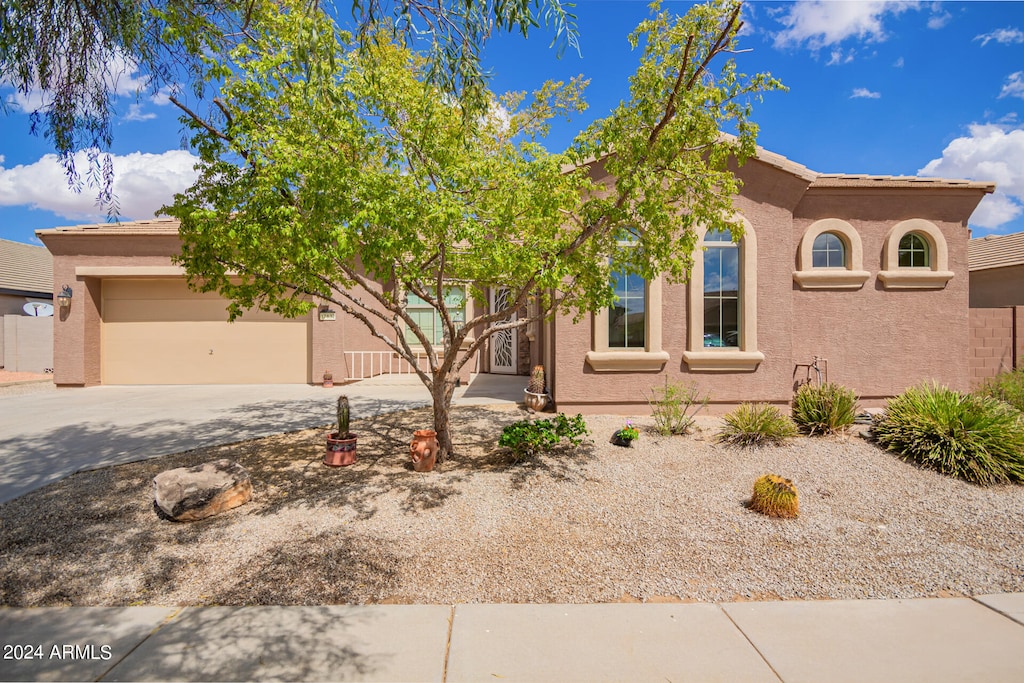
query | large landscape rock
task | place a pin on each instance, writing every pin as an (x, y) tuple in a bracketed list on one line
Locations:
[(186, 494)]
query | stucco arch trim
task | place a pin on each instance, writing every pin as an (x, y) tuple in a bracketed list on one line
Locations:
[(934, 276), (853, 276)]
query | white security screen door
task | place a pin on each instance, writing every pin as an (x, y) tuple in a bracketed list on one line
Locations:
[(503, 343)]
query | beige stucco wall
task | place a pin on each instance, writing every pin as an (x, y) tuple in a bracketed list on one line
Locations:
[(27, 344), (995, 287)]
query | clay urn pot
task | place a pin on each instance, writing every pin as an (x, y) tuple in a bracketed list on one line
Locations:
[(423, 449)]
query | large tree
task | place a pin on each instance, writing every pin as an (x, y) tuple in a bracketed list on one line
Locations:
[(327, 169), (67, 56)]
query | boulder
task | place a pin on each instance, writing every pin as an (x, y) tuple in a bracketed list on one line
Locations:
[(186, 494)]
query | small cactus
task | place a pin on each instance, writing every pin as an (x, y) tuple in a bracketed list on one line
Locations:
[(343, 415), (536, 385), (775, 496)]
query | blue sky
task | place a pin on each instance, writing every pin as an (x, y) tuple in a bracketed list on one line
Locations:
[(901, 88)]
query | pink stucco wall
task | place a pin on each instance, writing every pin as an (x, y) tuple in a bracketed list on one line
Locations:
[(877, 341)]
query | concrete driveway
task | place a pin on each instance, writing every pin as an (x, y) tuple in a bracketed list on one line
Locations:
[(48, 435)]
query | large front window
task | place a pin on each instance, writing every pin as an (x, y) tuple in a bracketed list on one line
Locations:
[(627, 317), (721, 291), (428, 319)]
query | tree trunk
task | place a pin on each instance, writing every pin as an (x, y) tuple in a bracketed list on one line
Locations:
[(441, 394)]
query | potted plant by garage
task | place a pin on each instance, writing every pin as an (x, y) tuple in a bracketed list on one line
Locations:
[(535, 394), (328, 379), (341, 445)]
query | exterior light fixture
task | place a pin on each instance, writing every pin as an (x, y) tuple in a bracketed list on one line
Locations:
[(64, 298)]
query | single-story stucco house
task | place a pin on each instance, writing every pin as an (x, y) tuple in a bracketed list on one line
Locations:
[(869, 274), (26, 298), (996, 265)]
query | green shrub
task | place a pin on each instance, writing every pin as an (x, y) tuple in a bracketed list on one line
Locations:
[(775, 496), (1006, 386), (756, 425), (977, 438), (671, 407), (526, 438), (824, 409)]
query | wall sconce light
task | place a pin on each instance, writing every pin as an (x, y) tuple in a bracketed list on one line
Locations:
[(64, 298)]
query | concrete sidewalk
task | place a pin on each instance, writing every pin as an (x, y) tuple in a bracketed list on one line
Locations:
[(954, 639)]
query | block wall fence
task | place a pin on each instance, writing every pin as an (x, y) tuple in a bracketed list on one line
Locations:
[(996, 342)]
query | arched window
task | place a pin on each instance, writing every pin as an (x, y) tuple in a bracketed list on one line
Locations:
[(721, 291), (830, 256), (913, 251), (828, 251), (722, 304), (915, 256)]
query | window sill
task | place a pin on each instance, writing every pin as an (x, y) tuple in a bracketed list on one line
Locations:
[(723, 361), (828, 278), (915, 279), (635, 361)]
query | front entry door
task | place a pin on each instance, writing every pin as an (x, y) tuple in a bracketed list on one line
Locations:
[(503, 344)]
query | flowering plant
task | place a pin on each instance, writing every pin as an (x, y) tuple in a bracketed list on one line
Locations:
[(629, 432)]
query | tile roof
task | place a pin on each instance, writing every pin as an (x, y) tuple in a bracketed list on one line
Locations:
[(864, 180), (25, 268), (154, 226), (996, 251)]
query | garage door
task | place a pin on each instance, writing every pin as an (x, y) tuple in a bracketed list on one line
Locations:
[(160, 332)]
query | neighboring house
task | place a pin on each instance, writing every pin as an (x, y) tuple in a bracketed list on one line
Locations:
[(868, 273), (26, 275), (996, 265), (997, 270), (26, 278)]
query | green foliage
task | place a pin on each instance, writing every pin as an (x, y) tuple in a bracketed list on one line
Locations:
[(1006, 386), (775, 496), (629, 432), (824, 409), (343, 416), (757, 425), (331, 164), (671, 407), (976, 438), (527, 438)]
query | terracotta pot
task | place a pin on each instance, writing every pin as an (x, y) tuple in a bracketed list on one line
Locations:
[(340, 452), (423, 449), (328, 383), (534, 401)]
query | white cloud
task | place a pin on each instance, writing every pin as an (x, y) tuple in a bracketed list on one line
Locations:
[(990, 153), (898, 63), (1005, 36), (120, 77), (838, 57), (142, 183), (939, 20), (865, 93), (135, 113), (820, 23), (1014, 86)]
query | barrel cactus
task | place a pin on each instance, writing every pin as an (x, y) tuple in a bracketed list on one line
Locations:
[(775, 496), (536, 385)]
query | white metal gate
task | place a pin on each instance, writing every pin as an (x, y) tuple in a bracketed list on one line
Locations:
[(504, 347)]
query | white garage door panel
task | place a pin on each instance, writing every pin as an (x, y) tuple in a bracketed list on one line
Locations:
[(159, 332)]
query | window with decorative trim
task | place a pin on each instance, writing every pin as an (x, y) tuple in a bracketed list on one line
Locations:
[(722, 333), (429, 319), (915, 256), (830, 256), (627, 335)]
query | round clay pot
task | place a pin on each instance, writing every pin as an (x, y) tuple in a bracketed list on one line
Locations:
[(340, 452), (533, 401), (423, 449)]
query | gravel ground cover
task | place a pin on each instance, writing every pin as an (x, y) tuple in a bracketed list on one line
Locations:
[(664, 520)]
